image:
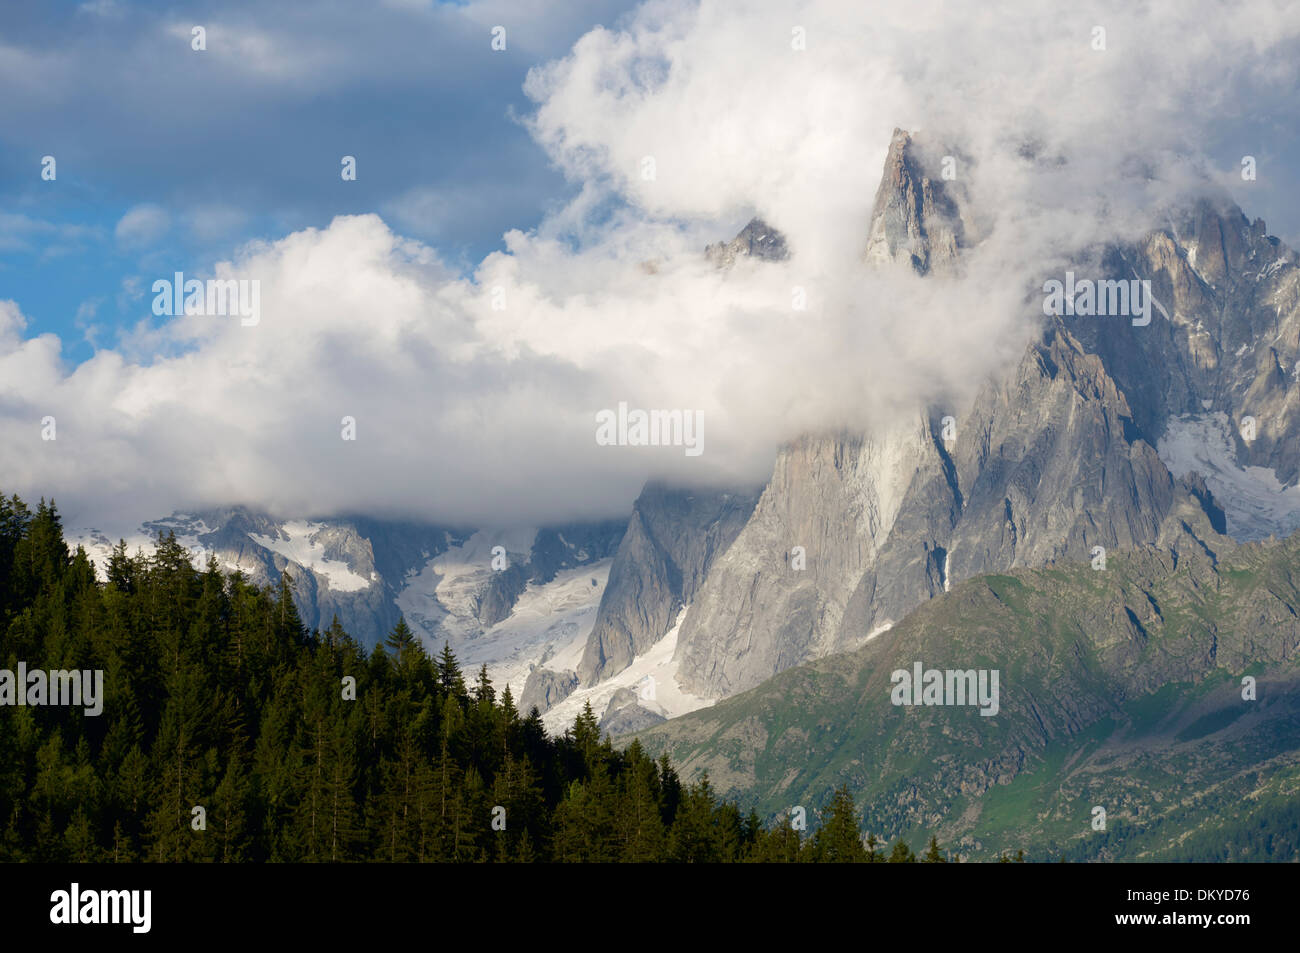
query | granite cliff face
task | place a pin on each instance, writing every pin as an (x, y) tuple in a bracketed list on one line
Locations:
[(626, 714), (834, 497), (915, 219), (756, 240), (545, 688), (670, 544), (1230, 345), (1046, 466)]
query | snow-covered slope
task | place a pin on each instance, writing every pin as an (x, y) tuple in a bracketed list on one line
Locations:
[(441, 598), (99, 547), (299, 542), (1255, 503), (549, 626), (653, 675), (369, 573)]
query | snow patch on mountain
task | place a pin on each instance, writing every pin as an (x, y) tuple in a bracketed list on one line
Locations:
[(298, 542), (440, 598), (99, 547), (653, 675), (1255, 504), (548, 627)]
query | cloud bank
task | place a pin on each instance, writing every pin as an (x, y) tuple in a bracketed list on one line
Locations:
[(474, 399)]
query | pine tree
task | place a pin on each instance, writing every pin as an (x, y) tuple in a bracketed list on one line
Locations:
[(640, 829), (449, 674), (401, 643), (484, 694), (932, 854), (839, 839), (288, 628), (228, 822), (781, 845), (901, 854), (875, 854), (692, 838)]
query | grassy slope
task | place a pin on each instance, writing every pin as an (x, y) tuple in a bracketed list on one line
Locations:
[(1119, 688)]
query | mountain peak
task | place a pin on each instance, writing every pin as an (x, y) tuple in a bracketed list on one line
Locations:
[(755, 240), (913, 219)]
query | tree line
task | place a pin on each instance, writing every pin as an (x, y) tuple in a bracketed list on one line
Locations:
[(231, 733)]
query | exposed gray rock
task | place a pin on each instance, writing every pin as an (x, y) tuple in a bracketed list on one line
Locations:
[(370, 561), (500, 592), (914, 219), (671, 542), (574, 544), (1231, 343), (755, 240), (1046, 465), (834, 496), (545, 688), (625, 714), (377, 552), (1056, 456)]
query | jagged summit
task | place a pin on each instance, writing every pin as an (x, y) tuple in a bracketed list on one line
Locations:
[(914, 218), (755, 240)]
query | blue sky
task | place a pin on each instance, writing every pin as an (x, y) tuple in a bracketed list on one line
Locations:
[(169, 157)]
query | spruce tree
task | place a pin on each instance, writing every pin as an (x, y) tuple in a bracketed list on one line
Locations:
[(839, 839), (932, 854), (901, 854)]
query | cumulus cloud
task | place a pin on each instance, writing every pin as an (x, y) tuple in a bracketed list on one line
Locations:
[(475, 397), (142, 226)]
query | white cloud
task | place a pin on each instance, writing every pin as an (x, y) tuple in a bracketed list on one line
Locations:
[(142, 226), (735, 117), (472, 415)]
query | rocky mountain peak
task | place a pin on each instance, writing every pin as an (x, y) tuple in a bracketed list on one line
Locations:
[(755, 240), (914, 219)]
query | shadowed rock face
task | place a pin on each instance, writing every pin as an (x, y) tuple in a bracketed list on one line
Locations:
[(1231, 343), (554, 549), (671, 542), (375, 554), (358, 567)]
